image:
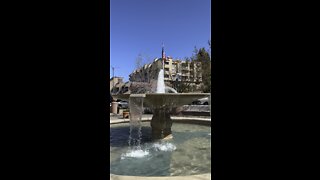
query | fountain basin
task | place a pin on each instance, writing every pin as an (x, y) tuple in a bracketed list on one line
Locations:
[(162, 105), (169, 100), (176, 155)]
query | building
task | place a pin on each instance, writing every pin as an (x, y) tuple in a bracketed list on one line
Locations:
[(174, 70), (115, 81), (189, 71)]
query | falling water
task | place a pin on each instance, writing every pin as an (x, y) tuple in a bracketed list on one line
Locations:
[(136, 109), (210, 113), (210, 104), (161, 89), (160, 83)]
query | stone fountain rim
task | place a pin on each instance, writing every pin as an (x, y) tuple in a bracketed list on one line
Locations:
[(206, 176), (146, 95), (179, 119), (189, 120), (167, 94)]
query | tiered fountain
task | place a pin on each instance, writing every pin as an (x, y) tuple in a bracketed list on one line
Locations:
[(162, 104)]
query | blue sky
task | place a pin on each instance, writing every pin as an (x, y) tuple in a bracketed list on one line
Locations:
[(140, 27)]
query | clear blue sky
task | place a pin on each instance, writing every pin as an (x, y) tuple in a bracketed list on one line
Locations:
[(140, 27)]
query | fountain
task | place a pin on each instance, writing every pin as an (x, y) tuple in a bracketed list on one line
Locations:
[(162, 104), (158, 148)]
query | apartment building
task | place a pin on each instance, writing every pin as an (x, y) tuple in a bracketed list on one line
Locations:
[(174, 70), (115, 81)]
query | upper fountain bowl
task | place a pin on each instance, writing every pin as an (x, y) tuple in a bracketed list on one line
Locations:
[(168, 100)]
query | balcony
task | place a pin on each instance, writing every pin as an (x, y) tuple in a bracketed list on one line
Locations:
[(185, 68)]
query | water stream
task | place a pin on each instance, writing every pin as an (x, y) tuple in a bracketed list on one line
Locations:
[(160, 82), (136, 111)]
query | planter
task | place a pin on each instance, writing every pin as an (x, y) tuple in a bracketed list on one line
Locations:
[(114, 107), (125, 114)]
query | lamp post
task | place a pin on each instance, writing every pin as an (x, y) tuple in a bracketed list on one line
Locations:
[(114, 104), (113, 79)]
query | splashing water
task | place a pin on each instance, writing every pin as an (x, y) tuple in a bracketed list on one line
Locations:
[(164, 146), (168, 89), (138, 153), (160, 83)]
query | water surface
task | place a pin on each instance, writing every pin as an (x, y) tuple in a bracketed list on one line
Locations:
[(188, 153)]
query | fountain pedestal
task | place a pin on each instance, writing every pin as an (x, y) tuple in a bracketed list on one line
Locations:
[(161, 124)]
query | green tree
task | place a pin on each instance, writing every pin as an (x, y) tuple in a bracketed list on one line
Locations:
[(183, 87), (139, 61), (203, 56)]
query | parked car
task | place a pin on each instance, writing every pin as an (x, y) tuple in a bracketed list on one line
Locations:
[(123, 104), (196, 102), (202, 101)]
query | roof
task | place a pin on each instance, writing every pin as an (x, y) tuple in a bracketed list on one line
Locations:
[(116, 77)]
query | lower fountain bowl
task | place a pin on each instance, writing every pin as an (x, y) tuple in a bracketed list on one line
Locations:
[(186, 156)]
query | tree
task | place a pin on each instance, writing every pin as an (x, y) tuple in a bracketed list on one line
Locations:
[(203, 57), (147, 59), (142, 59), (183, 87), (139, 60), (209, 50)]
